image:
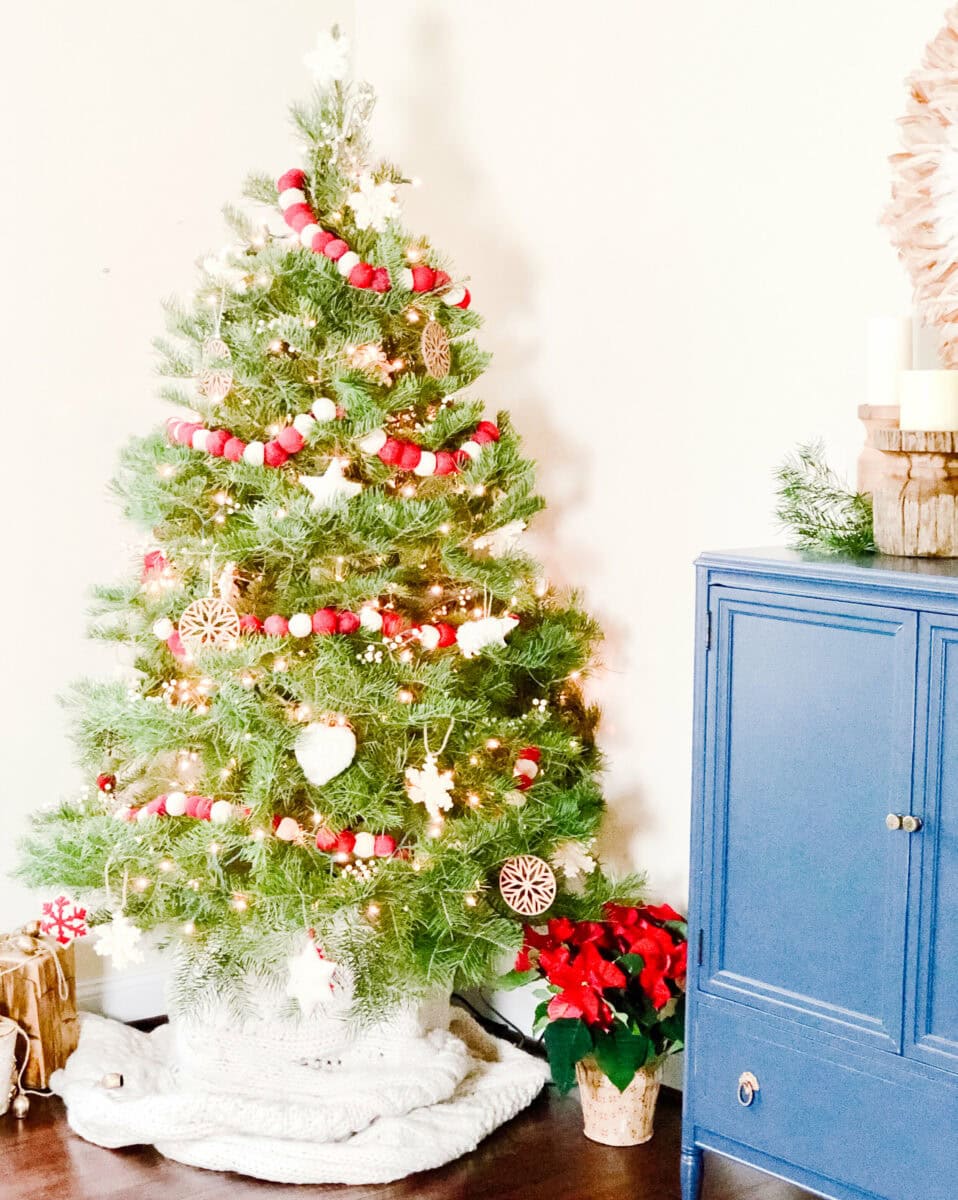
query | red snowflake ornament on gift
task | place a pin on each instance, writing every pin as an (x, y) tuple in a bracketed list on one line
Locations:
[(63, 920)]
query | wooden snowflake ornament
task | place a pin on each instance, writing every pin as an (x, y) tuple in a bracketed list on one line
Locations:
[(434, 345), (216, 374), (527, 884), (209, 622)]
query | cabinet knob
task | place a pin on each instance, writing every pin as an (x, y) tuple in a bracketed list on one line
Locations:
[(748, 1086), (894, 821), (911, 824)]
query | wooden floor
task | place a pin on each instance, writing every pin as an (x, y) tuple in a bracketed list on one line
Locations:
[(541, 1155)]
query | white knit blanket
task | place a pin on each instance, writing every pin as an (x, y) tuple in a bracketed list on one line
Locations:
[(299, 1102)]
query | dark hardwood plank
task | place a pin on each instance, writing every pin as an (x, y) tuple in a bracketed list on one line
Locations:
[(541, 1155)]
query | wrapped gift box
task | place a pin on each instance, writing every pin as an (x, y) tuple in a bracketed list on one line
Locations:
[(41, 998)]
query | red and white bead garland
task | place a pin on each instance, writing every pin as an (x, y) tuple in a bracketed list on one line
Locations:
[(179, 804), (407, 456), (527, 767), (300, 217), (221, 443)]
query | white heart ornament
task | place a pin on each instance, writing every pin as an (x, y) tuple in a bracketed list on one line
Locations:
[(324, 751)]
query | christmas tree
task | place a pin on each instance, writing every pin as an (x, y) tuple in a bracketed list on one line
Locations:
[(355, 746)]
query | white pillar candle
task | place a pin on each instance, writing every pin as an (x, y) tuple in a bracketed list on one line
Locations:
[(888, 352), (929, 400)]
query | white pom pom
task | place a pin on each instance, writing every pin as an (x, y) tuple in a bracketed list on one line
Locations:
[(365, 845), (405, 279), (164, 628), (515, 798), (349, 260), (307, 233), (370, 619), (221, 812), (253, 454), (324, 409), (143, 815), (373, 442), (200, 439), (291, 196), (455, 295), (301, 625), (122, 814), (526, 767), (303, 423), (426, 464), (473, 449), (288, 830), (176, 804), (429, 637)]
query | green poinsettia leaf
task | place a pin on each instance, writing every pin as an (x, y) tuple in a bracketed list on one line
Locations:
[(566, 1041), (541, 1017), (620, 1053), (673, 1028), (632, 964), (516, 979)]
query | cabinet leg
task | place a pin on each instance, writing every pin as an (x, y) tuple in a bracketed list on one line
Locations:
[(691, 1172)]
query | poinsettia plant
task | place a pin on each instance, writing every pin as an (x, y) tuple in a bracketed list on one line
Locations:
[(616, 989)]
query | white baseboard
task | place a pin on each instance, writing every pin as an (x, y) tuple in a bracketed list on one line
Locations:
[(131, 996)]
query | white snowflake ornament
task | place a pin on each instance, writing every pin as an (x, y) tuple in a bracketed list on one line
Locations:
[(430, 786), (312, 978), (503, 540), (330, 487), (573, 859), (474, 636), (119, 940), (374, 204), (329, 59)]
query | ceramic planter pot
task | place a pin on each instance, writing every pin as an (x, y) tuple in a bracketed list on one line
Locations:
[(618, 1118)]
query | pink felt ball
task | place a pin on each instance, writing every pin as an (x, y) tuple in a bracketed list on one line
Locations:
[(298, 216), (189, 809), (233, 450), (294, 178), (216, 442), (361, 276), (175, 645), (250, 623), (385, 845), (410, 456), (325, 839), (447, 633), (274, 455), (445, 463), (276, 626), (185, 431), (347, 622), (324, 621), (204, 806), (423, 279), (390, 452), (381, 282), (291, 440), (335, 249), (157, 806), (320, 241)]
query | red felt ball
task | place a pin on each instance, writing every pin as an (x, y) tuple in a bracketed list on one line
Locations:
[(347, 622), (384, 845), (393, 623), (466, 300), (298, 216), (233, 450), (204, 807), (189, 808), (481, 436), (445, 463), (460, 457), (291, 179), (361, 276), (291, 440), (325, 839), (274, 455), (335, 249), (250, 623), (345, 842), (523, 783), (185, 431), (324, 621), (442, 280), (106, 782), (410, 456), (157, 806), (532, 753), (423, 279), (276, 626), (216, 442), (171, 427), (447, 633), (320, 241), (391, 451), (276, 820), (131, 814), (381, 281), (490, 428)]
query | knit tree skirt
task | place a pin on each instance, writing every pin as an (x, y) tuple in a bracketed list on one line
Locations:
[(316, 1101)]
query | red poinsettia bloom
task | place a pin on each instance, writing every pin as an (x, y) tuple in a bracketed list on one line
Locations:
[(581, 982), (660, 912), (561, 929)]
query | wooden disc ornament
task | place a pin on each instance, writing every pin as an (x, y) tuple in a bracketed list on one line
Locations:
[(216, 372), (209, 622), (527, 884), (434, 345)]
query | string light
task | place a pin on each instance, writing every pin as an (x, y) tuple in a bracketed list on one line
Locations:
[(493, 743), (215, 848), (436, 589), (445, 527), (372, 911), (408, 490), (405, 696), (166, 470), (258, 834), (239, 903), (165, 865), (473, 800), (302, 712), (141, 883), (189, 929), (470, 900)]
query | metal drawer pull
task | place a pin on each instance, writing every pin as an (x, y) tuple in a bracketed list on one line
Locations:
[(911, 824), (893, 820), (748, 1085)]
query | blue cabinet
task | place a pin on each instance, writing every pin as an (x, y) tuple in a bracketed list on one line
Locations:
[(823, 982)]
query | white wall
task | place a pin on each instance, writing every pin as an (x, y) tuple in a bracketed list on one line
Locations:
[(669, 216)]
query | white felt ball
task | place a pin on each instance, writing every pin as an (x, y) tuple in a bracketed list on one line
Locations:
[(176, 804), (406, 279), (473, 449), (253, 454), (426, 464), (526, 767), (304, 423), (200, 438), (291, 196), (324, 751), (143, 815), (373, 442), (122, 814), (349, 260), (365, 846), (301, 625), (370, 619), (288, 830), (429, 637), (455, 295), (515, 798), (324, 409), (221, 812), (307, 233), (163, 628)]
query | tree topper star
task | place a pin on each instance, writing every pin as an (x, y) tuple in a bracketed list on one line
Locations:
[(311, 978), (330, 486)]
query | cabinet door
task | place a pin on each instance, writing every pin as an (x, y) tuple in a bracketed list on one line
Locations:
[(933, 1033), (809, 747)]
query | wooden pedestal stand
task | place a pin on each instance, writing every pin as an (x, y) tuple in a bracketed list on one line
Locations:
[(916, 497), (872, 464)]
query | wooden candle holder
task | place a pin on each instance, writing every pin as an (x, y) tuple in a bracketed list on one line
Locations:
[(916, 498), (872, 463)]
